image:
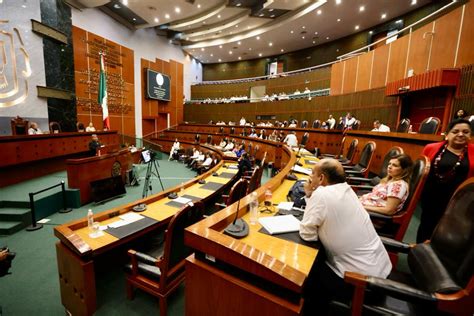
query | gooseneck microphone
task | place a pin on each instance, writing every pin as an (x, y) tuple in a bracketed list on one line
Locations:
[(238, 228)]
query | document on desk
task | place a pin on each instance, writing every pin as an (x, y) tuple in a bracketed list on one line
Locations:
[(126, 219), (280, 224), (302, 170), (286, 206), (182, 200)]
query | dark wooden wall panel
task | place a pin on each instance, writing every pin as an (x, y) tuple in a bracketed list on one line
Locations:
[(466, 45)]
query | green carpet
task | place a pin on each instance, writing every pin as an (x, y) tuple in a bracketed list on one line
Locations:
[(33, 286)]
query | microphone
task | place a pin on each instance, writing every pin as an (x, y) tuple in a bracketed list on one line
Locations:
[(291, 176), (238, 228)]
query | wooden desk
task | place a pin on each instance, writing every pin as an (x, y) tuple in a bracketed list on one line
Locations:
[(256, 275), (77, 251), (28, 156), (81, 172)]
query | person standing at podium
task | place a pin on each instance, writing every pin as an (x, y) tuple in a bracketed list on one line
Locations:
[(335, 216), (94, 145)]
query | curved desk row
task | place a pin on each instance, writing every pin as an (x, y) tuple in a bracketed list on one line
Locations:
[(77, 250), (29, 156)]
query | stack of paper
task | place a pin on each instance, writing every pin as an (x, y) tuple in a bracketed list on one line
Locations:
[(302, 170), (280, 224), (286, 206), (126, 219)]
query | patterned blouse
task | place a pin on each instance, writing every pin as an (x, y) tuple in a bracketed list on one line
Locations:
[(378, 197)]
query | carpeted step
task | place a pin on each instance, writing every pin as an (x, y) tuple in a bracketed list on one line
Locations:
[(16, 214), (8, 228)]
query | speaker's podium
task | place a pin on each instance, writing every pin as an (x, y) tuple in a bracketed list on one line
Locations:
[(111, 162)]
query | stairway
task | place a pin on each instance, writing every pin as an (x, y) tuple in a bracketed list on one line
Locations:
[(14, 216)]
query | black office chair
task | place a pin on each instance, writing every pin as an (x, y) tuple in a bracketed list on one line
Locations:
[(232, 130), (403, 126), (80, 127), (54, 127), (429, 125), (363, 185), (340, 125), (356, 125), (351, 150), (221, 130), (316, 124), (19, 126), (209, 140), (304, 124), (361, 168), (160, 271), (244, 132), (441, 276)]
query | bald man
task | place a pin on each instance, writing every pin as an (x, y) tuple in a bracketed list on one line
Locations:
[(335, 216)]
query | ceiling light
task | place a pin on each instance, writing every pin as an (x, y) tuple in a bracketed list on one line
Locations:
[(177, 10), (314, 42), (361, 8), (157, 20), (167, 16), (240, 58), (239, 42), (319, 12), (338, 1), (230, 52), (204, 22), (356, 27), (238, 4), (398, 21), (338, 20), (413, 2), (261, 14), (134, 19), (302, 37), (291, 32), (282, 50), (199, 6), (303, 27), (260, 55), (270, 10), (270, 44), (202, 49), (371, 32), (315, 33), (125, 2), (327, 37), (383, 16), (258, 37), (220, 46), (212, 55), (116, 6), (236, 25), (250, 48), (220, 60)]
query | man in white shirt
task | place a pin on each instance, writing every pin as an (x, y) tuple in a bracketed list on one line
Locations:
[(243, 121), (335, 216), (174, 150), (291, 140), (350, 120), (331, 122), (34, 129), (379, 127)]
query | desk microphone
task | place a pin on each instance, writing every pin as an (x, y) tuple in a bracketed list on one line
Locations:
[(238, 228), (291, 176)]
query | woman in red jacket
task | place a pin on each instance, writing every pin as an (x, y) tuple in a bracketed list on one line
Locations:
[(452, 162)]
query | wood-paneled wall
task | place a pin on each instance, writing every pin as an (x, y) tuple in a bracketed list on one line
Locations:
[(365, 105), (154, 112), (314, 80), (464, 99), (119, 67), (444, 43)]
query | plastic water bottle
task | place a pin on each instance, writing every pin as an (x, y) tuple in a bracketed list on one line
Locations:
[(90, 219), (181, 190), (253, 206)]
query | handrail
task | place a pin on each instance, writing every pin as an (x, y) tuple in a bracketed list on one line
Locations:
[(350, 54), (338, 58)]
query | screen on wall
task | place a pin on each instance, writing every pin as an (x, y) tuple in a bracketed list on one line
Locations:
[(158, 85)]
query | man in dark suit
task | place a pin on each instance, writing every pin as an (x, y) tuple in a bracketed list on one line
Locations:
[(94, 145), (244, 164)]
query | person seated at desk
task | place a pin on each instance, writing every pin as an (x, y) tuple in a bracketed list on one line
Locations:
[(174, 150), (230, 145), (273, 136), (335, 216), (34, 129), (291, 140), (195, 161), (244, 164), (90, 127), (222, 144), (331, 122), (389, 196), (253, 133), (379, 127), (239, 150), (242, 122), (94, 145), (205, 163)]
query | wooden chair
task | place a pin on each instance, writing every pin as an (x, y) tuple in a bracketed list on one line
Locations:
[(254, 179), (361, 168), (395, 226), (316, 124), (238, 191), (429, 125), (54, 127), (160, 276), (403, 126), (19, 126), (80, 127), (441, 271), (362, 185)]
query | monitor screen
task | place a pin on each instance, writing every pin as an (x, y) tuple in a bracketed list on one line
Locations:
[(107, 188), (146, 156)]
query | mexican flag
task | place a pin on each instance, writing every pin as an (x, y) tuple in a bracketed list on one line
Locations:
[(102, 99)]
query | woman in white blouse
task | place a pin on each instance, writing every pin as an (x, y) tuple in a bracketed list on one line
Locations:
[(389, 196)]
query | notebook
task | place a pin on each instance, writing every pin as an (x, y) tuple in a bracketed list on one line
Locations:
[(280, 224)]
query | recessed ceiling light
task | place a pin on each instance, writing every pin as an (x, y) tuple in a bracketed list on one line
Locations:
[(23, 6), (282, 50), (338, 20), (270, 10), (218, 16), (356, 27), (236, 25), (319, 12), (260, 55), (239, 42), (167, 16), (177, 10), (199, 6), (302, 37), (258, 37), (314, 42), (125, 2), (327, 37), (187, 38), (220, 60), (261, 14), (371, 32), (291, 32), (270, 44), (398, 21), (338, 1), (361, 8), (303, 27), (230, 52), (157, 20), (240, 58), (134, 19), (202, 49), (220, 46), (250, 48), (383, 16), (212, 55), (238, 4), (413, 2)]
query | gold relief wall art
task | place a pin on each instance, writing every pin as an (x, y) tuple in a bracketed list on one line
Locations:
[(15, 68)]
